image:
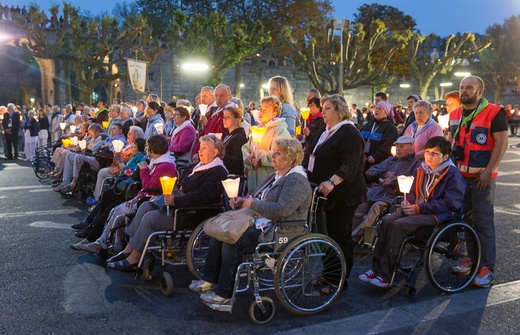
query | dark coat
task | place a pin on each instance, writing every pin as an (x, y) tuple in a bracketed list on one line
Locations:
[(381, 138), (341, 155), (201, 188), (15, 125), (233, 159), (33, 126)]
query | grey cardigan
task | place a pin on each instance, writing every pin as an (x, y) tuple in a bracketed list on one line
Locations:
[(289, 199)]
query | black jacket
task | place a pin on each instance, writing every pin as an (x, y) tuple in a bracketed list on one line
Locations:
[(341, 155), (15, 125), (233, 159)]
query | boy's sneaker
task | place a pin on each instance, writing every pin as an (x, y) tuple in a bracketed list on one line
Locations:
[(380, 282), (485, 278), (464, 267), (367, 276)]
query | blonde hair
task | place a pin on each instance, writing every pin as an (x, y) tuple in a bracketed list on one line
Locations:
[(284, 89)]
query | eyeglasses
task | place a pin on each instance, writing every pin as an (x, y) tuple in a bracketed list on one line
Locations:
[(432, 153), (227, 117), (176, 114)]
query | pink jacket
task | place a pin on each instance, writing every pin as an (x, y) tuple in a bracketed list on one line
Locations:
[(152, 180), (182, 141)]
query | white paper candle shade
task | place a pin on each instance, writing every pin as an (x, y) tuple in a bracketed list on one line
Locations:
[(63, 125), (74, 140), (159, 127), (72, 129), (82, 144), (203, 109), (405, 184), (118, 145), (231, 186)]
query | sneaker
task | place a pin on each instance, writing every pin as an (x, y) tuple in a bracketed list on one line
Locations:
[(76, 246), (60, 187), (211, 297), (201, 286), (367, 276), (66, 189), (485, 278), (91, 201), (464, 267), (94, 247), (380, 282)]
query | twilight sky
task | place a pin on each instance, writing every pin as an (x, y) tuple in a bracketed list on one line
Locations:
[(442, 17)]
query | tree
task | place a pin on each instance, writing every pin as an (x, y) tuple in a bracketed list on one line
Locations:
[(454, 50), (367, 50), (95, 49), (502, 59), (214, 37)]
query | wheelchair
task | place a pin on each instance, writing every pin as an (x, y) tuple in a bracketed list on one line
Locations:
[(183, 245), (41, 162), (369, 239), (298, 266), (441, 251)]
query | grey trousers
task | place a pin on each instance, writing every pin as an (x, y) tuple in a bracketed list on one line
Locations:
[(147, 220), (479, 212), (372, 211), (394, 230)]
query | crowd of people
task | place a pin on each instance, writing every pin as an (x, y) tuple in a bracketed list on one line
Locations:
[(348, 154)]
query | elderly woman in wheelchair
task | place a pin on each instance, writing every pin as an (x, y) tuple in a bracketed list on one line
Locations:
[(199, 185), (161, 164), (435, 198), (283, 195)]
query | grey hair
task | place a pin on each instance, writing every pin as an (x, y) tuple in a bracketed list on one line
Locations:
[(422, 103), (138, 131)]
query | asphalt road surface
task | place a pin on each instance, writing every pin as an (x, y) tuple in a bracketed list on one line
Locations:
[(46, 288)]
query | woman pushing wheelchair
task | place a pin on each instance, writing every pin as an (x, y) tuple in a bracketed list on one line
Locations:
[(436, 196)]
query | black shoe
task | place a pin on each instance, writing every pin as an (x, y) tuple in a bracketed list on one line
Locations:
[(81, 225), (81, 233)]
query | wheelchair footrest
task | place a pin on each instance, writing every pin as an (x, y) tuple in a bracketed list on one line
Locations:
[(223, 307), (370, 236)]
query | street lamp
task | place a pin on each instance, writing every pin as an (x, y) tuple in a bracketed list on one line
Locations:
[(404, 86), (462, 74), (447, 84), (195, 67), (340, 25)]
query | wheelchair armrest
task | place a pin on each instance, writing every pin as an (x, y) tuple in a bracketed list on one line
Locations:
[(154, 191), (293, 223)]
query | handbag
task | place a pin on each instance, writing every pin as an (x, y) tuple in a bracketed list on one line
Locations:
[(229, 226), (127, 187)]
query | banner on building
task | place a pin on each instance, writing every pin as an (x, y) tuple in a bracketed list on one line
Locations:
[(137, 73)]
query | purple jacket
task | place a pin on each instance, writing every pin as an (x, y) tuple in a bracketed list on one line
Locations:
[(151, 180), (181, 143)]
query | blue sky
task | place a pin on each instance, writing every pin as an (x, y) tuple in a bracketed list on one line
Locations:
[(442, 17)]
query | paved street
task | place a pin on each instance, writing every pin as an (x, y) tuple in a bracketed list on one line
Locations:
[(46, 288)]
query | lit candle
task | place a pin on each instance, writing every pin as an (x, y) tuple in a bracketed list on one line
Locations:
[(405, 184), (118, 145), (203, 109), (167, 185), (231, 187)]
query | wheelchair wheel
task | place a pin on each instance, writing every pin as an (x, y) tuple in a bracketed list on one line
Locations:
[(260, 317), (42, 168), (443, 257), (309, 274), (166, 283), (197, 250)]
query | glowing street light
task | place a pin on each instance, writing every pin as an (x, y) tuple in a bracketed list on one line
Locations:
[(195, 67), (448, 84), (404, 85), (462, 74)]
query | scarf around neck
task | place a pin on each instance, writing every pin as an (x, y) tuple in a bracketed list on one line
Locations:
[(177, 130), (164, 158), (202, 167)]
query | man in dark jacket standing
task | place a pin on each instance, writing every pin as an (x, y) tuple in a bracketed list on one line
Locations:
[(11, 124)]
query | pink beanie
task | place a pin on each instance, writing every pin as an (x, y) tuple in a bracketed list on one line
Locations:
[(387, 107)]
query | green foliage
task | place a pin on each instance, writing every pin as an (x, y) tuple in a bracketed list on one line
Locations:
[(86, 45), (500, 62), (453, 51), (367, 51), (223, 43)]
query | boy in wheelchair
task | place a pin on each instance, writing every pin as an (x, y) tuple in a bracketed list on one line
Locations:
[(436, 196), (383, 190)]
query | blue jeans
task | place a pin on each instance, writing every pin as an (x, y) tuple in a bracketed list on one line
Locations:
[(223, 260), (479, 211)]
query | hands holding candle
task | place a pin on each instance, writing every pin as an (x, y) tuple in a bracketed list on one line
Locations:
[(405, 184)]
